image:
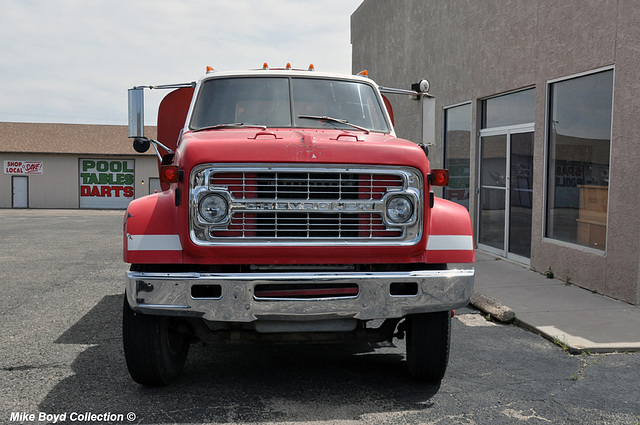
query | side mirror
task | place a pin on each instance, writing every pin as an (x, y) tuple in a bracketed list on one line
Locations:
[(141, 144), (136, 113)]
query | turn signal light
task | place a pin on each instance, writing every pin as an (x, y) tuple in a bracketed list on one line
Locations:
[(364, 73), (439, 177), (288, 67), (169, 174), (209, 69)]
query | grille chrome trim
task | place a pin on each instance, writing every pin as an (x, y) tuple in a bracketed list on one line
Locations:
[(293, 205)]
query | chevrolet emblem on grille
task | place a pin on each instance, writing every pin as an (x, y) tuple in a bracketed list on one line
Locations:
[(306, 206)]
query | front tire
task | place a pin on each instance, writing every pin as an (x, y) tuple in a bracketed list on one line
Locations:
[(154, 349), (428, 340)]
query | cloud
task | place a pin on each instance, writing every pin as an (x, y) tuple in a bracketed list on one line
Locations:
[(72, 60)]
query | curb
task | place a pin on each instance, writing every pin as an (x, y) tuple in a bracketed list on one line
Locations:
[(492, 307)]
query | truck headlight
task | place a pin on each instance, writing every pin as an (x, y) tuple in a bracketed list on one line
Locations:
[(399, 209), (213, 208)]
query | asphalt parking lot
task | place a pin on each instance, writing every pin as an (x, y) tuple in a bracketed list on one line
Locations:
[(61, 356)]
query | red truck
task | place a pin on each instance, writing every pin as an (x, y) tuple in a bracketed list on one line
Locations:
[(289, 212)]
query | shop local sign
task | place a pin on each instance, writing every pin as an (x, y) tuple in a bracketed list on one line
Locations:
[(23, 167), (106, 183)]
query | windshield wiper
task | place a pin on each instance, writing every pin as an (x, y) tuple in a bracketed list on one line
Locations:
[(332, 119), (230, 125)]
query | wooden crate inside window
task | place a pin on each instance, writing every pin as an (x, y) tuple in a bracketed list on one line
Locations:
[(592, 217)]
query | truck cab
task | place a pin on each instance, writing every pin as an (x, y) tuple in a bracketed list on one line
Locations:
[(290, 212)]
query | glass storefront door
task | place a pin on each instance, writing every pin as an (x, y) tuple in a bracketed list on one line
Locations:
[(506, 187), (493, 190)]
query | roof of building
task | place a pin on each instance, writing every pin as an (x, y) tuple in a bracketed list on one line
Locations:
[(69, 138)]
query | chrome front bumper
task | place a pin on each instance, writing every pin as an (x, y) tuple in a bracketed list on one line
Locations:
[(171, 294)]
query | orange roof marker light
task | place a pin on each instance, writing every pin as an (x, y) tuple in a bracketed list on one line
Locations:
[(265, 66), (288, 67), (364, 73), (312, 68), (209, 69)]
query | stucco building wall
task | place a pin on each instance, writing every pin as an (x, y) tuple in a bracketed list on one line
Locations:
[(472, 50)]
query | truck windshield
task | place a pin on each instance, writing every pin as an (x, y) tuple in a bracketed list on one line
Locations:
[(280, 102)]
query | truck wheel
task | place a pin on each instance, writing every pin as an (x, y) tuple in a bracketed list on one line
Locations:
[(428, 337), (155, 352)]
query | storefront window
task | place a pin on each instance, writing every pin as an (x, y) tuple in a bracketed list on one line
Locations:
[(579, 134), (457, 142), (509, 109)]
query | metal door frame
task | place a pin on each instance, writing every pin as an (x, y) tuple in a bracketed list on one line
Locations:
[(500, 131)]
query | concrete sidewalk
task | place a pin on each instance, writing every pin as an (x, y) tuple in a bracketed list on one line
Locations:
[(567, 314)]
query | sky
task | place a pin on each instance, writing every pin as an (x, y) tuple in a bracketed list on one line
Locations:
[(72, 61)]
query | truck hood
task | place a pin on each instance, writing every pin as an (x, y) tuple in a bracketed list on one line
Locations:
[(296, 146)]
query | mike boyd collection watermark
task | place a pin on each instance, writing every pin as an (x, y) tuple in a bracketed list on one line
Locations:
[(91, 417)]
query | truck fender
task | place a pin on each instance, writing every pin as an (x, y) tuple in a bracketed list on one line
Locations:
[(150, 230), (450, 237)]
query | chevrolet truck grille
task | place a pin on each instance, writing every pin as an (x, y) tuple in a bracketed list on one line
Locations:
[(306, 225), (305, 185), (310, 205)]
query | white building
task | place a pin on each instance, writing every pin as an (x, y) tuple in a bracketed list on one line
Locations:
[(72, 166)]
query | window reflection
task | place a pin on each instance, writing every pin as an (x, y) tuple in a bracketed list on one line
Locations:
[(493, 181), (457, 121), (579, 133), (509, 109), (521, 195)]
